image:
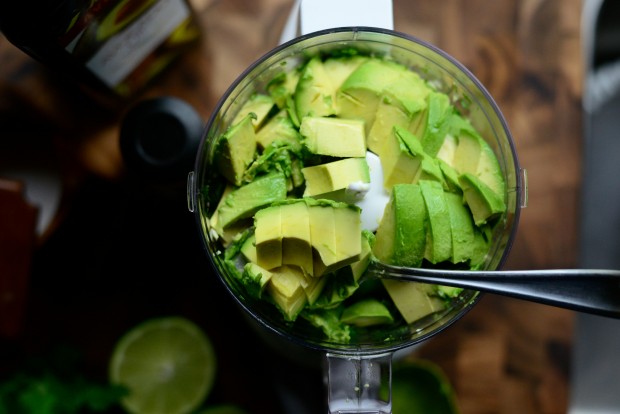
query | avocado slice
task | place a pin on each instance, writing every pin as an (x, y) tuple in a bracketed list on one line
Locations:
[(413, 300), (367, 312), (333, 136), (462, 228), (284, 235), (337, 180), (401, 235), (268, 237), (296, 236), (314, 94), (260, 105), (430, 170), (450, 177), (360, 94), (483, 202), (286, 289), (229, 233), (348, 233), (339, 68), (473, 155), (235, 150), (387, 116), (280, 128), (244, 201), (255, 279), (281, 89), (482, 243), (401, 158), (447, 150), (439, 234), (248, 249), (434, 132), (343, 282)]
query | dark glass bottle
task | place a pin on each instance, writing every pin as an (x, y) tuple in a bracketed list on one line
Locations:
[(113, 48)]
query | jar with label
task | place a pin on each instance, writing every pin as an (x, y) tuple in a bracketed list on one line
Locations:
[(113, 48)]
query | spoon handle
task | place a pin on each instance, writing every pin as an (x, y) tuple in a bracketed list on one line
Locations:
[(585, 290)]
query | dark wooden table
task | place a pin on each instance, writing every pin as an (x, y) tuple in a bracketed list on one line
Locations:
[(94, 274)]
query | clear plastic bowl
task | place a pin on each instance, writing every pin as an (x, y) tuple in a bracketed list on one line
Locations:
[(448, 76)]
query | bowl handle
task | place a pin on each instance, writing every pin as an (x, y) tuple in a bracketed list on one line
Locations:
[(359, 383)]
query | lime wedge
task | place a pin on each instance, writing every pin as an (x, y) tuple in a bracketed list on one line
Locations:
[(167, 364), (420, 386)]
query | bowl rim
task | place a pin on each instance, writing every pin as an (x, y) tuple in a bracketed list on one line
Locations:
[(450, 317)]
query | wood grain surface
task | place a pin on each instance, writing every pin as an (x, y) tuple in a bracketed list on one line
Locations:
[(505, 356)]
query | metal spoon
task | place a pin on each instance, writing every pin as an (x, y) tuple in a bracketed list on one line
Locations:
[(584, 290)]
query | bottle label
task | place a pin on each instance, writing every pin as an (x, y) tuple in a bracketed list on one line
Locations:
[(118, 56)]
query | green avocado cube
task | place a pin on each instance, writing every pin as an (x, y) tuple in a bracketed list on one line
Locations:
[(314, 94), (281, 129), (334, 137), (286, 289), (244, 201), (483, 202), (367, 312), (235, 150), (334, 180), (258, 104)]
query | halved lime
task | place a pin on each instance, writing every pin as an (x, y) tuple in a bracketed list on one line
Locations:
[(167, 364), (421, 386)]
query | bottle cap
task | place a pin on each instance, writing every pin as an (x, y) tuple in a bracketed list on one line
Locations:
[(159, 138)]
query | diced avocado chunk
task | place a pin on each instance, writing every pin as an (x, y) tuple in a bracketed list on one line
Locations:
[(282, 87), (235, 150), (258, 104), (334, 137), (244, 201), (447, 150), (360, 94), (401, 158), (268, 235), (439, 110), (338, 69), (413, 300), (473, 155), (280, 128), (401, 235), (367, 312), (227, 234), (248, 248), (314, 95), (296, 240), (387, 117), (430, 170), (255, 279), (483, 202), (450, 177), (439, 234), (337, 180), (285, 231), (342, 283), (286, 289)]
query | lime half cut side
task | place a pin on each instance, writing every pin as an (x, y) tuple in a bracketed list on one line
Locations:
[(167, 364)]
